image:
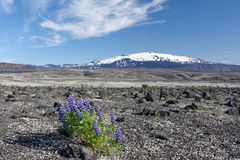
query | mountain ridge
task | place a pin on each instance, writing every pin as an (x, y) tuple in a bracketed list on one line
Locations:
[(158, 60)]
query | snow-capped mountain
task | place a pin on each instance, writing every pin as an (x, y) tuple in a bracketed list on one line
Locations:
[(148, 56), (145, 59), (152, 60)]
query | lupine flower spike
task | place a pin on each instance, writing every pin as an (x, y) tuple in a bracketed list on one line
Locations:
[(82, 106), (72, 104), (88, 105), (61, 114), (99, 112), (96, 129), (113, 118), (118, 135)]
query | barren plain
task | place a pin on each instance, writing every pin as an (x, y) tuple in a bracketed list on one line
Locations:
[(177, 115)]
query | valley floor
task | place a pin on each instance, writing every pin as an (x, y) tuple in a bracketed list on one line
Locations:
[(120, 78), (186, 115)]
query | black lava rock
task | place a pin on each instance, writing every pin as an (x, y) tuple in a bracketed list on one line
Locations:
[(77, 151), (148, 112), (120, 119), (149, 97), (163, 114), (160, 135), (171, 101), (193, 106), (57, 105), (233, 111)]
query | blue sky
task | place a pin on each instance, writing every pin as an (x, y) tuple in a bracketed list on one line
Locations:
[(78, 31)]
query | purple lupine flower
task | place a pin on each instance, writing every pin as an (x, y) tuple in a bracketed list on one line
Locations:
[(79, 114), (82, 106), (96, 129), (99, 112), (113, 117), (67, 107), (61, 114), (72, 104), (88, 105), (118, 135)]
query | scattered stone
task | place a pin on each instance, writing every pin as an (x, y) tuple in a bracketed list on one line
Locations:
[(137, 111), (141, 100), (233, 103), (13, 116), (149, 97), (148, 112), (238, 142), (206, 96), (163, 114), (233, 112), (187, 94), (50, 113), (230, 103), (160, 135), (174, 110), (171, 101), (144, 111), (193, 106), (57, 105), (197, 98), (78, 152), (10, 98), (67, 94), (120, 119)]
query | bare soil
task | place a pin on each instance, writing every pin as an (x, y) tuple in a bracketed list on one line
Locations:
[(191, 116)]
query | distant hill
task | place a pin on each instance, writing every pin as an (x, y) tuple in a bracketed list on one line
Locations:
[(15, 67)]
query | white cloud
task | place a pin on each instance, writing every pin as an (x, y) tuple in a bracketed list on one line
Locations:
[(6, 5), (47, 41), (36, 9), (93, 18), (37, 6)]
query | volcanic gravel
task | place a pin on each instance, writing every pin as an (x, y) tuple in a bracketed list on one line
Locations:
[(157, 123)]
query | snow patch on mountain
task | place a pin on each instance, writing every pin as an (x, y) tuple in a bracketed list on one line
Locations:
[(148, 56)]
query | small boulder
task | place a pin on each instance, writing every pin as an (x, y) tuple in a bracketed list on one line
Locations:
[(57, 105), (160, 135), (137, 111), (206, 96), (233, 111), (10, 98), (163, 113), (238, 142), (192, 106), (148, 112), (77, 151), (149, 97), (120, 119), (67, 94), (171, 101), (197, 98), (141, 100), (230, 103)]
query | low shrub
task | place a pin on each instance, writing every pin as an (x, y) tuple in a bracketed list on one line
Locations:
[(83, 120)]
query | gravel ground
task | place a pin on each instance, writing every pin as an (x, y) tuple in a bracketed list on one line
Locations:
[(157, 122)]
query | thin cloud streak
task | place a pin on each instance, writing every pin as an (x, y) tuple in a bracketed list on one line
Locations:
[(92, 18), (6, 5), (47, 41), (36, 10)]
